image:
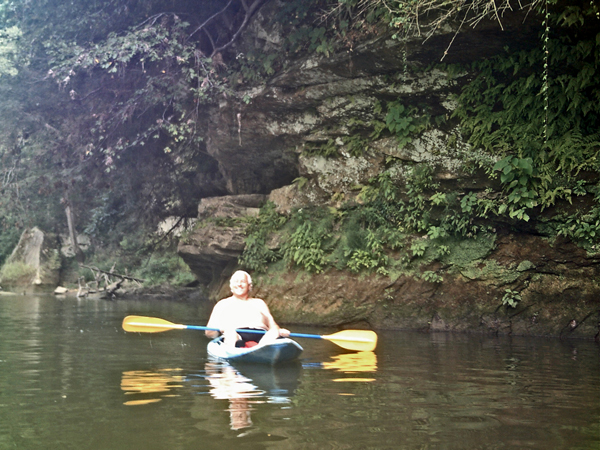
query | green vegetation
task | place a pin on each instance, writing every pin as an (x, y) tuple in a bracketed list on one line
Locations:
[(538, 110), (402, 123), (9, 237), (105, 109), (8, 50), (389, 233), (511, 298), (304, 247), (165, 269), (16, 273), (257, 255)]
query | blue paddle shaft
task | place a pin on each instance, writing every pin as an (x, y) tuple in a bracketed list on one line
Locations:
[(298, 335), (197, 327), (302, 335)]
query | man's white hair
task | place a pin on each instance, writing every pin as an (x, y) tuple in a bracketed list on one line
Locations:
[(236, 274)]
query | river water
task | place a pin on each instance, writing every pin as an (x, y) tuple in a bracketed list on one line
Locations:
[(71, 378)]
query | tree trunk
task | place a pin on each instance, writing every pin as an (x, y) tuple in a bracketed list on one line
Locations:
[(70, 222)]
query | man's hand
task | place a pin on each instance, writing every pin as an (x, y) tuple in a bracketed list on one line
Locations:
[(231, 336), (284, 332)]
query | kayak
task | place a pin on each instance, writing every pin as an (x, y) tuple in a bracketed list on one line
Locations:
[(281, 350)]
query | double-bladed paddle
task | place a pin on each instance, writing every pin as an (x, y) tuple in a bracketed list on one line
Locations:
[(358, 340)]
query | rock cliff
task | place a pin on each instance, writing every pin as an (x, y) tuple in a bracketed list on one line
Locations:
[(265, 148), (34, 265)]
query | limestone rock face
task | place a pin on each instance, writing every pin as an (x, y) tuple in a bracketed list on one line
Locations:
[(270, 140), (84, 242), (34, 263), (217, 243), (257, 135), (230, 206), (562, 302), (323, 101)]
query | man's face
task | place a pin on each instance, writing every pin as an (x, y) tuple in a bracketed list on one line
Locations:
[(239, 285)]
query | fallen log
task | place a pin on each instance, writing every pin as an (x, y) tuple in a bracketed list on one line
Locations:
[(112, 274)]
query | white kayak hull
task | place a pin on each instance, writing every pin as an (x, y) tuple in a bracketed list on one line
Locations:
[(276, 352)]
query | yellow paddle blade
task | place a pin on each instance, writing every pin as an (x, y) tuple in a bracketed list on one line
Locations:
[(142, 324), (359, 340)]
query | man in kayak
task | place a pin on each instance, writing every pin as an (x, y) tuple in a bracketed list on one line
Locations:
[(240, 311)]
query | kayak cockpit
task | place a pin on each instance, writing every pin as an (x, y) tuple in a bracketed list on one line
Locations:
[(275, 352)]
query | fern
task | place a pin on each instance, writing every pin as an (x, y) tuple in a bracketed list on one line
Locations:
[(501, 112)]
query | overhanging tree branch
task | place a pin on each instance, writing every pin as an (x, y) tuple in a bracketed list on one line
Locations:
[(250, 10), (207, 21)]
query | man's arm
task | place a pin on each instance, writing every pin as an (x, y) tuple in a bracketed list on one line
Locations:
[(214, 322), (270, 322)]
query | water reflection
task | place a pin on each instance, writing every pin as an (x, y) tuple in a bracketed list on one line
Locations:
[(67, 367), (244, 386), (353, 363), (149, 382), (248, 385), (227, 383)]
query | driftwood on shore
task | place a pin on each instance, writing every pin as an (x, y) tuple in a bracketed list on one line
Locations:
[(105, 278)]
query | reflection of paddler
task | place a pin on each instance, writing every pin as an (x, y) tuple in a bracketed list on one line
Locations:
[(243, 384), (227, 383), (279, 381), (239, 413)]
